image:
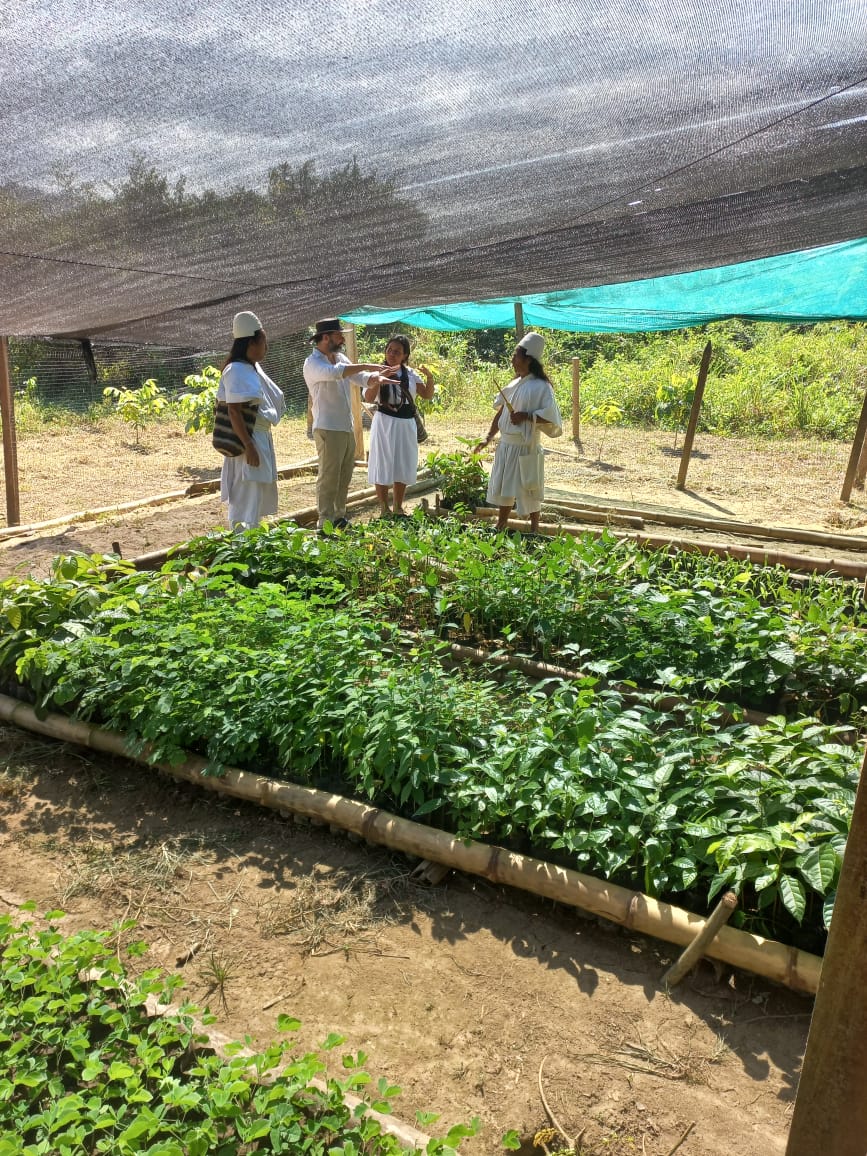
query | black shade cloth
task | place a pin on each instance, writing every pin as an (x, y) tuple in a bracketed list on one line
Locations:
[(167, 164)]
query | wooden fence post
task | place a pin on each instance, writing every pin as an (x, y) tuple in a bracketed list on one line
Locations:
[(858, 445), (831, 1107), (519, 320), (693, 417), (10, 448), (355, 395), (576, 400), (861, 471)]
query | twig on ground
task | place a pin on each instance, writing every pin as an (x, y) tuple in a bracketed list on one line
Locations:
[(550, 1112), (690, 1127)]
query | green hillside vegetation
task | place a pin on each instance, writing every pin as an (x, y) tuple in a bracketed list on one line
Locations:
[(765, 379)]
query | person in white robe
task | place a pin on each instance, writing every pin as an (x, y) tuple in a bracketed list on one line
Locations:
[(248, 483), (526, 409), (393, 457)]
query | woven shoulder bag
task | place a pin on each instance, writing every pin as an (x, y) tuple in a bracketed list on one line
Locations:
[(224, 439)]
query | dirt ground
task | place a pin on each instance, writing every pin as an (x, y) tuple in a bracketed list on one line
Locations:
[(457, 993), (771, 483)]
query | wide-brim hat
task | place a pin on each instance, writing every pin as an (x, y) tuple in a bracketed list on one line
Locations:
[(533, 344), (245, 325), (326, 325)]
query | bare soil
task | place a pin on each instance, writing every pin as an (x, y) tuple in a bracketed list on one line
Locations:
[(458, 993)]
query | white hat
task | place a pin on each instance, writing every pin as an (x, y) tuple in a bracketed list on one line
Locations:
[(533, 344), (245, 325)]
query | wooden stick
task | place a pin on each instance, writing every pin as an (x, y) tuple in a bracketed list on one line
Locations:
[(689, 1128), (519, 320), (693, 417), (10, 448), (830, 1113), (639, 913), (723, 525), (576, 400), (861, 470), (858, 443), (696, 949)]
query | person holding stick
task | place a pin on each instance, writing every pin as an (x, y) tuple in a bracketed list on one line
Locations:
[(526, 408)]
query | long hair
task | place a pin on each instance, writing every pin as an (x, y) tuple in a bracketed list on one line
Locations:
[(536, 368), (390, 389), (399, 339), (238, 352)]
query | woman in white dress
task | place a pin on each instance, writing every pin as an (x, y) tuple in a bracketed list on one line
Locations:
[(527, 408), (248, 483), (393, 459)]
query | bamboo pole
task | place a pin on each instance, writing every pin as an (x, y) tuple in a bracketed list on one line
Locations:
[(576, 400), (355, 395), (858, 444), (640, 913), (593, 517), (194, 490), (689, 437), (721, 914), (10, 447), (831, 1107), (723, 525), (519, 320), (799, 562)]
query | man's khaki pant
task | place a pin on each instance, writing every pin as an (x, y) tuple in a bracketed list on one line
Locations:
[(336, 452)]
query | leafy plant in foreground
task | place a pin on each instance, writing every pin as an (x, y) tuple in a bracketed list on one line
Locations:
[(84, 1069)]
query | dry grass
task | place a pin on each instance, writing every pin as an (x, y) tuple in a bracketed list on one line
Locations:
[(342, 910)]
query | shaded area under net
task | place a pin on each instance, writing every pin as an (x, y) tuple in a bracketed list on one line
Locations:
[(162, 170)]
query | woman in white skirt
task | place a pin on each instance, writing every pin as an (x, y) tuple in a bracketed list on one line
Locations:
[(527, 408), (248, 483), (393, 459)]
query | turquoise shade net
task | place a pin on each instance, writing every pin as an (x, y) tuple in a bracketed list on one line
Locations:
[(819, 284)]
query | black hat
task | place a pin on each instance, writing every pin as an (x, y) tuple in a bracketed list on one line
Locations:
[(327, 325)]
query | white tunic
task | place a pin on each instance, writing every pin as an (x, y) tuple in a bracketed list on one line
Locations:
[(330, 390), (394, 445), (251, 491), (528, 395)]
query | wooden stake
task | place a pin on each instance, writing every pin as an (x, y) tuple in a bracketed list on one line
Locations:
[(831, 1108), (857, 448), (861, 471), (10, 448), (693, 417), (519, 320), (696, 949), (355, 395), (576, 400)]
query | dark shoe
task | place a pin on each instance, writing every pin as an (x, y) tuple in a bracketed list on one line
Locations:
[(340, 523)]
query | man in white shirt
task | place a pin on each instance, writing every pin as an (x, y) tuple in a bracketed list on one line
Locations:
[(330, 376)]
